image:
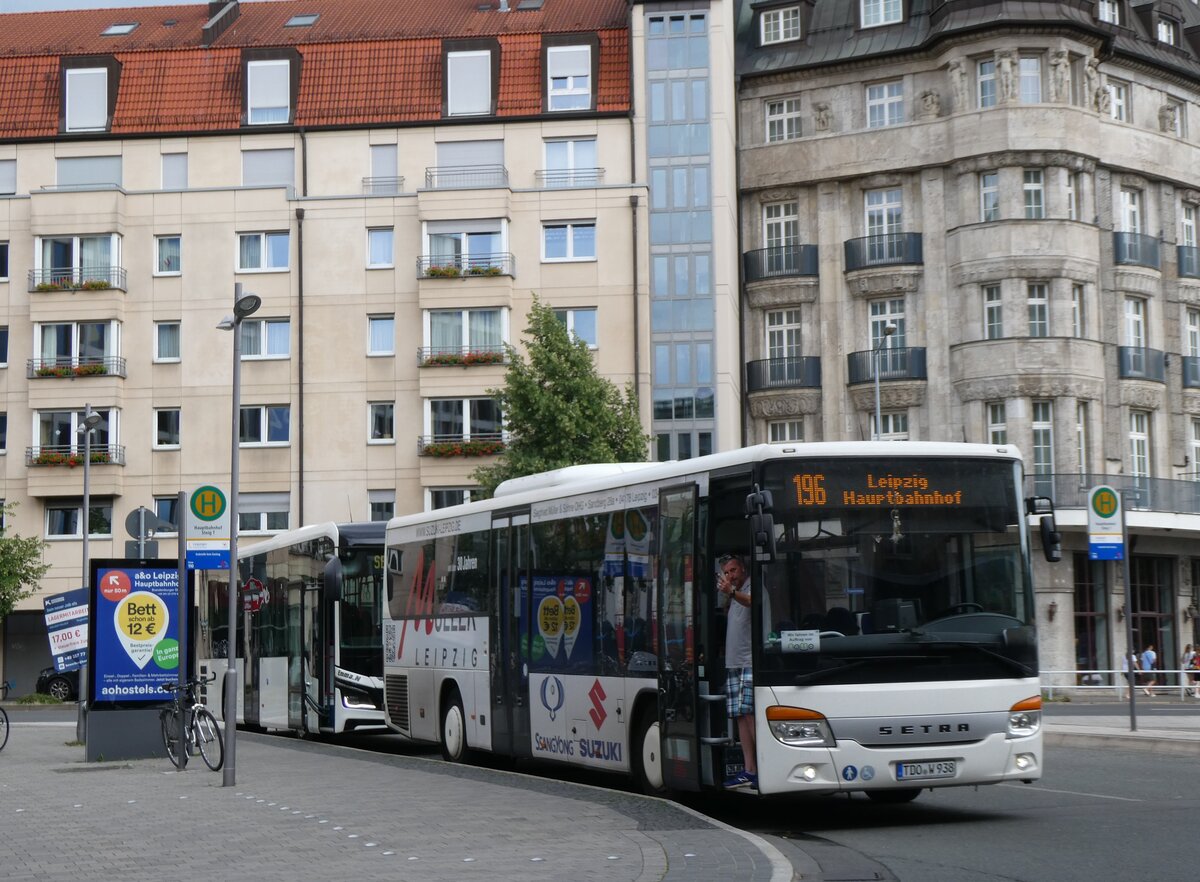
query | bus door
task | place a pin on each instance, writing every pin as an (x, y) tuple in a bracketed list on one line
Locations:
[(510, 635), (305, 695), (251, 641), (677, 682)]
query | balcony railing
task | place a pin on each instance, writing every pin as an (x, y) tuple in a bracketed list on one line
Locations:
[(801, 372), (553, 178), (1189, 261), (91, 278), (905, 363), (460, 356), (1136, 249), (457, 266), (382, 186), (1140, 363), (447, 177), (111, 366), (1191, 372), (886, 249), (476, 444), (1138, 493), (72, 455), (780, 261)]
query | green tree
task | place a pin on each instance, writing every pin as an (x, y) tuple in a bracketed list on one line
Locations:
[(558, 410), (21, 564)]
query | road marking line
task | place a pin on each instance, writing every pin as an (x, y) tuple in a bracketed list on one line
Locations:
[(34, 725), (1073, 793)]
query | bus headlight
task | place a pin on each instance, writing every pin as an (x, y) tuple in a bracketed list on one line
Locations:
[(799, 727), (1025, 717)]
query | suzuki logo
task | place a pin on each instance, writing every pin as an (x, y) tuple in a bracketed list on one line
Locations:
[(597, 713)]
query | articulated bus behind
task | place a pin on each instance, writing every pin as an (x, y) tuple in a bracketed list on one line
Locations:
[(308, 640), (575, 618)]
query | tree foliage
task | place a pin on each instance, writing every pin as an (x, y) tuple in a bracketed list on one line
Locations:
[(558, 410), (21, 563)]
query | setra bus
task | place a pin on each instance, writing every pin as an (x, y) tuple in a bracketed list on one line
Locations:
[(309, 639), (575, 617)]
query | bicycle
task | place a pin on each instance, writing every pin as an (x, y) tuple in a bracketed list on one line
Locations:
[(4, 686), (202, 733)]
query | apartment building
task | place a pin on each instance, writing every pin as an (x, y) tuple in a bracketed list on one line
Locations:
[(990, 208), (396, 182)]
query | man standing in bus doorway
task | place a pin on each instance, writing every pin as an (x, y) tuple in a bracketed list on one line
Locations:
[(734, 583)]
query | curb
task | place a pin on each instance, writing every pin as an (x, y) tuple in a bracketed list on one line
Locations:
[(1146, 743)]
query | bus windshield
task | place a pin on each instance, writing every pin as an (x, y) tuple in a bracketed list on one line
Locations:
[(361, 623), (911, 570)]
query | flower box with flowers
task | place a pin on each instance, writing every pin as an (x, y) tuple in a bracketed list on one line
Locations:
[(53, 370), (92, 369), (443, 359), (449, 271), (463, 448)]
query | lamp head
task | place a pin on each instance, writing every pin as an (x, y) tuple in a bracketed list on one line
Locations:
[(90, 420), (889, 329), (246, 305)]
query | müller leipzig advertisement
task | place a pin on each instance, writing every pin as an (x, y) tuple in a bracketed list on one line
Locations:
[(136, 639)]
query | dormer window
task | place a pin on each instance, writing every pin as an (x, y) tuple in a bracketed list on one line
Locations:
[(268, 92), (1168, 31), (568, 77), (1109, 11), (469, 83), (86, 99), (780, 25), (881, 12)]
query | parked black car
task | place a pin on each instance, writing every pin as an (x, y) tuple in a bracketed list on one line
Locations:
[(64, 686)]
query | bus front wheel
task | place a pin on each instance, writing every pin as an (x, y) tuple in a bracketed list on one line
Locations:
[(894, 797), (454, 730), (647, 755)]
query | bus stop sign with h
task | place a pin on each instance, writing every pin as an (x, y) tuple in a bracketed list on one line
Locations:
[(207, 529)]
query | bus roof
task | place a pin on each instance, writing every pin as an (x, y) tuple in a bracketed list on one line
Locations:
[(591, 478), (351, 534)]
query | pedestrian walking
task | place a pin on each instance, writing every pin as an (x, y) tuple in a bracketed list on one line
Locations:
[(1129, 666), (1187, 665), (1149, 664)]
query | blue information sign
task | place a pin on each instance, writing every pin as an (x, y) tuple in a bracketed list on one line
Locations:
[(135, 645), (67, 628)]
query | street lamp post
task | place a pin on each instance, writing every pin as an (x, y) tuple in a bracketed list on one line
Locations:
[(888, 330), (243, 305), (90, 420)]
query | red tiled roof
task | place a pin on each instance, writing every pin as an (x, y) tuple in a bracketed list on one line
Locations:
[(363, 62)]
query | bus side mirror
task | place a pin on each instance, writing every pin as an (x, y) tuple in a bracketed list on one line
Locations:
[(758, 502), (762, 529), (1051, 538), (332, 579)]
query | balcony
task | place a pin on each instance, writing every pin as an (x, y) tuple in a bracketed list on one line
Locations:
[(382, 186), (460, 356), (801, 372), (93, 278), (465, 177), (1138, 492), (779, 262), (1140, 363), (560, 178), (1136, 249), (71, 456), (448, 446), (1189, 261), (907, 363), (110, 366), (886, 249), (458, 266)]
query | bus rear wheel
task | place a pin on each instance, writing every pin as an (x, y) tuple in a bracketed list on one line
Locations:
[(647, 755), (454, 731), (894, 797)]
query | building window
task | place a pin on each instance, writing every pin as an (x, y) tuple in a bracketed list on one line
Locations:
[(1187, 226), (268, 92), (58, 430), (1118, 94), (894, 423), (381, 505), (1073, 208), (997, 427), (450, 331), (993, 313), (783, 345), (575, 241), (1078, 311), (63, 519), (880, 12), (1109, 11), (262, 512), (1082, 440), (1139, 444), (263, 252), (269, 168), (166, 428), (779, 431), (780, 25), (1192, 339), (86, 99), (463, 418), (75, 343), (264, 425), (3, 436), (381, 335), (166, 249), (1135, 322), (1039, 310), (1131, 210), (1030, 71), (174, 171), (266, 338), (989, 196), (1168, 31), (568, 78), (1195, 450), (580, 323), (77, 258), (379, 247), (166, 341), (783, 119), (87, 171), (1043, 438), (381, 422), (3, 260), (8, 177), (1035, 201), (781, 228), (444, 497), (3, 356), (985, 83), (885, 104), (465, 244), (884, 216), (166, 509), (571, 162), (468, 83)]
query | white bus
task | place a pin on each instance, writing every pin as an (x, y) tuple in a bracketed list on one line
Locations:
[(309, 639), (575, 618)]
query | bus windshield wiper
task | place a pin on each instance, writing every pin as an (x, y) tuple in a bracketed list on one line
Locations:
[(826, 673), (1011, 663)]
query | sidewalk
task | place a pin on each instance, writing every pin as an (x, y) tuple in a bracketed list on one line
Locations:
[(1176, 734)]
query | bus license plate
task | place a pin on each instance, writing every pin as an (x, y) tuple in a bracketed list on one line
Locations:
[(931, 769)]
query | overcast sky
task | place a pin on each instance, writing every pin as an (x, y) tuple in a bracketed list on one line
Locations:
[(46, 5)]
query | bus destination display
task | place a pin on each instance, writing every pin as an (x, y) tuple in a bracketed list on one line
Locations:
[(871, 489)]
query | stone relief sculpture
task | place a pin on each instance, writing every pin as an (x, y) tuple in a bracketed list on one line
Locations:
[(1060, 76), (931, 104), (1091, 82), (822, 116), (958, 82), (1004, 72), (1168, 118), (1104, 100)]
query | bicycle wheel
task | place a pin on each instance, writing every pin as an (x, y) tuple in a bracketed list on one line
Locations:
[(3, 728), (170, 733), (208, 738)]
